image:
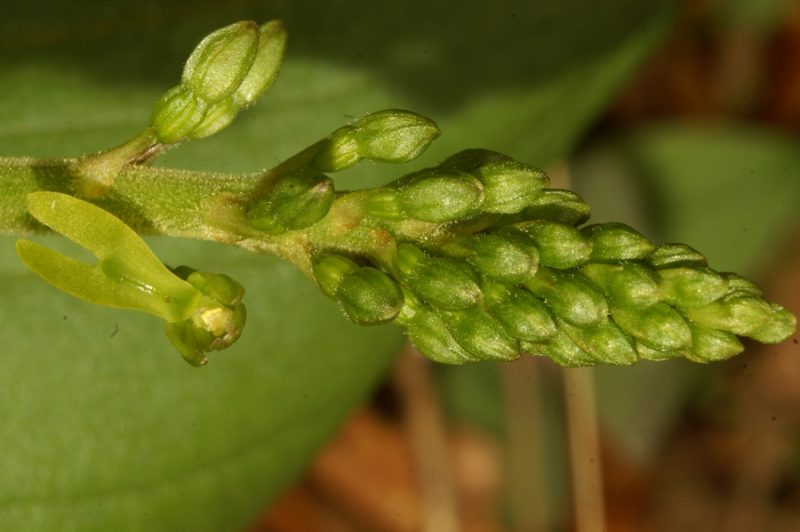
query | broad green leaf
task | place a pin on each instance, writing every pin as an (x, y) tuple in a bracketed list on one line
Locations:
[(103, 427)]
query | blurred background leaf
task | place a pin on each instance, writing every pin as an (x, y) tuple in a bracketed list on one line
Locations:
[(103, 426)]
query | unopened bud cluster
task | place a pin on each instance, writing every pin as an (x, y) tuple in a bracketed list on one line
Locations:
[(225, 73), (509, 268)]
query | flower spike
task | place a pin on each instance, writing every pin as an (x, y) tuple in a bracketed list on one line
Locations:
[(476, 257), (491, 264)]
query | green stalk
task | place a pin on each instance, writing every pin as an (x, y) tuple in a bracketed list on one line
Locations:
[(205, 206)]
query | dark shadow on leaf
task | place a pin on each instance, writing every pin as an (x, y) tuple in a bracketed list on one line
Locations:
[(439, 53)]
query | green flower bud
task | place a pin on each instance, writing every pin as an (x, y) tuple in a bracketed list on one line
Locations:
[(691, 287), (385, 204), (337, 152), (509, 186), (219, 64), (626, 283), (297, 201), (428, 332), (615, 242), (394, 135), (556, 205), (176, 115), (603, 342), (524, 315), (439, 197), (782, 325), (480, 334), (266, 64), (508, 257), (668, 255), (446, 284), (709, 345), (740, 314), (560, 246), (330, 271), (572, 297), (386, 136), (657, 326), (369, 296)]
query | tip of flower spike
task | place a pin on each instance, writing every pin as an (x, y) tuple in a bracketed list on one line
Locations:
[(780, 327)]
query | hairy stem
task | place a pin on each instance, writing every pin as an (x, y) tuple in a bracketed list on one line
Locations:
[(150, 200), (205, 206)]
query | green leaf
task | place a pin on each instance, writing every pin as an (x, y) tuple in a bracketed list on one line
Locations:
[(103, 427)]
